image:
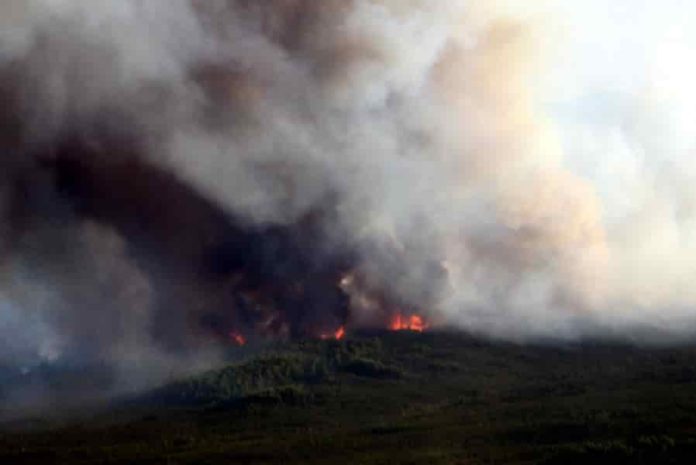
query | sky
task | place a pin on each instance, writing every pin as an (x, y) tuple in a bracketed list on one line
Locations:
[(624, 102), (625, 65)]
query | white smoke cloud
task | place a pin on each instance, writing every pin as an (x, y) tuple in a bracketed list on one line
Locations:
[(625, 122), (478, 182)]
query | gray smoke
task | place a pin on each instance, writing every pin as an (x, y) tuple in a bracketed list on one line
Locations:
[(176, 169)]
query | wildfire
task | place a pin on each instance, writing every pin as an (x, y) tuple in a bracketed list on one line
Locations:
[(339, 334), (237, 338), (401, 322)]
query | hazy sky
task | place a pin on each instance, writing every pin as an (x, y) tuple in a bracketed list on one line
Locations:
[(624, 94), (622, 44)]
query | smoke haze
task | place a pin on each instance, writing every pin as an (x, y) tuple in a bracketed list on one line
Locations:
[(176, 171)]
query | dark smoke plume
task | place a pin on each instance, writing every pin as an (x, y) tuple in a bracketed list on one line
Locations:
[(180, 173)]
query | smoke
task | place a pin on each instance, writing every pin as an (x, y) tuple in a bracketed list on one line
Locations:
[(178, 170)]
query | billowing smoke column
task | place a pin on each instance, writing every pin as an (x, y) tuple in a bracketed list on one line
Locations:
[(177, 172)]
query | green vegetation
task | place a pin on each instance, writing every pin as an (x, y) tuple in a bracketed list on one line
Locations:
[(398, 398)]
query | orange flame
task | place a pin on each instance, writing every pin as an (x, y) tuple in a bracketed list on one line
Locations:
[(237, 338), (401, 322), (339, 334)]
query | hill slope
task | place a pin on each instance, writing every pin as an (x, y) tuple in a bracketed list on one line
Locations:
[(400, 398)]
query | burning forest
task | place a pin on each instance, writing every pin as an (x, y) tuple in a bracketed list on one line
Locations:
[(181, 176)]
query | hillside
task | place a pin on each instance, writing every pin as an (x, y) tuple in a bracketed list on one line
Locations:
[(398, 398)]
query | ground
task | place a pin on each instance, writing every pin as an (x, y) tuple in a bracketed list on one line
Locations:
[(395, 398)]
